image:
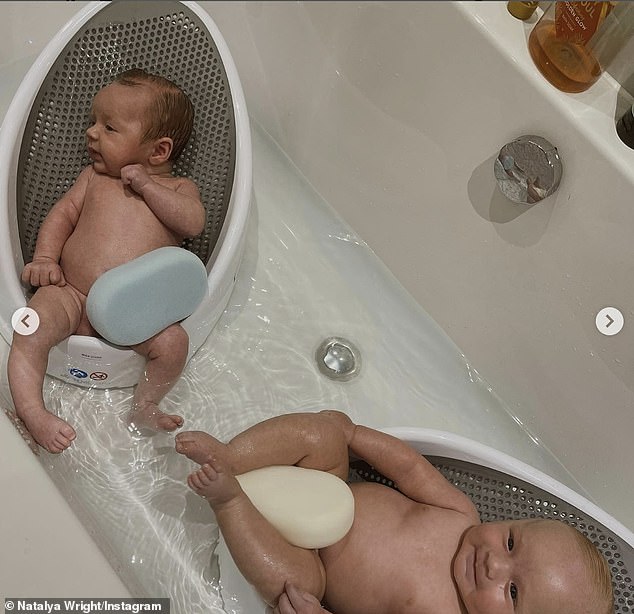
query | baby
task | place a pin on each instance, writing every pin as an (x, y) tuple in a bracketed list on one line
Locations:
[(421, 549), (123, 205)]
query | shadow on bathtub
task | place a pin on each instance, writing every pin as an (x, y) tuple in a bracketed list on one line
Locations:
[(43, 144)]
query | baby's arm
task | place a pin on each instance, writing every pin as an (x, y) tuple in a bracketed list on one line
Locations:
[(412, 473), (180, 210), (58, 225)]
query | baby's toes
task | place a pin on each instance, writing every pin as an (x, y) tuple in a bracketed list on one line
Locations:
[(202, 478)]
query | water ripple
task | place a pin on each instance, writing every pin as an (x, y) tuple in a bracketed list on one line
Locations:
[(305, 276)]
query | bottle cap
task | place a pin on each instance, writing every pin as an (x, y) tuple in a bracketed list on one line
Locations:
[(521, 10)]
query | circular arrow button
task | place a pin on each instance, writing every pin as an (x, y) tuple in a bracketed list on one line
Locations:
[(25, 321), (609, 321)]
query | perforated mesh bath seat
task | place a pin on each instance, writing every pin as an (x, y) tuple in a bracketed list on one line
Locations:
[(161, 37), (498, 496)]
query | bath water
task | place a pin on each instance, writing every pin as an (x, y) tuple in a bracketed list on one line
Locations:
[(305, 276)]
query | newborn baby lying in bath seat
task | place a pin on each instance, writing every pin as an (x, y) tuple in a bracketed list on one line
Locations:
[(421, 549), (122, 206)]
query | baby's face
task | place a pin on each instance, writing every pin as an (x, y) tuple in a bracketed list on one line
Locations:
[(520, 567), (114, 137)]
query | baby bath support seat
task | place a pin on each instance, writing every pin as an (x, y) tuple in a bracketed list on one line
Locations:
[(42, 145), (501, 487)]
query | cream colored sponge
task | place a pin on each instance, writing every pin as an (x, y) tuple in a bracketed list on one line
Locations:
[(310, 508)]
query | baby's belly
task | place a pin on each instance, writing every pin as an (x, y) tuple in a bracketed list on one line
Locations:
[(360, 568), (397, 556), (84, 259)]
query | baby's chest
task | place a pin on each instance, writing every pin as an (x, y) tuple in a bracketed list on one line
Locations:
[(400, 565), (108, 196), (109, 207), (424, 545)]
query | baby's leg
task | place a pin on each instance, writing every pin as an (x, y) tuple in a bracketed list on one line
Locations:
[(166, 355), (262, 555), (59, 310), (311, 440)]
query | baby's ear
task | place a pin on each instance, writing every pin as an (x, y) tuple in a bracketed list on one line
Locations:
[(161, 151)]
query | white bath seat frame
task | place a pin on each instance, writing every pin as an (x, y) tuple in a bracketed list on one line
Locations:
[(89, 361)]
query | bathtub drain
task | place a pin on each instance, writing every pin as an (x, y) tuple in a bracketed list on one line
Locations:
[(338, 359)]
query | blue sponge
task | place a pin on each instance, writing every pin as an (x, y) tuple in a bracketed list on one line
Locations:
[(134, 301)]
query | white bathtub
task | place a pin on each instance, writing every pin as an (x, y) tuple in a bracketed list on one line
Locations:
[(394, 112)]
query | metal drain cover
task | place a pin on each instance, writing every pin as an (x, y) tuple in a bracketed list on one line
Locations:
[(338, 359)]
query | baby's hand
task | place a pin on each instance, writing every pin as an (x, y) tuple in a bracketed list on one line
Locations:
[(135, 176), (43, 272), (294, 601)]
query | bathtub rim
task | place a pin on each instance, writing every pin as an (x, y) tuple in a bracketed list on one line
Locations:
[(36, 519)]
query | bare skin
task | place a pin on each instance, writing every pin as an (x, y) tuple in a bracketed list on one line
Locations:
[(294, 601), (122, 206), (420, 550)]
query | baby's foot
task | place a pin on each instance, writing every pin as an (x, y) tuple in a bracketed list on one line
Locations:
[(150, 417), (213, 482), (199, 447), (51, 432)]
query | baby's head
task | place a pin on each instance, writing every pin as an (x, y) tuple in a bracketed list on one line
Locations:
[(170, 113), (139, 118), (531, 566)]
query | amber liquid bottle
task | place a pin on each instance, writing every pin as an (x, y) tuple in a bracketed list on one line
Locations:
[(561, 44)]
